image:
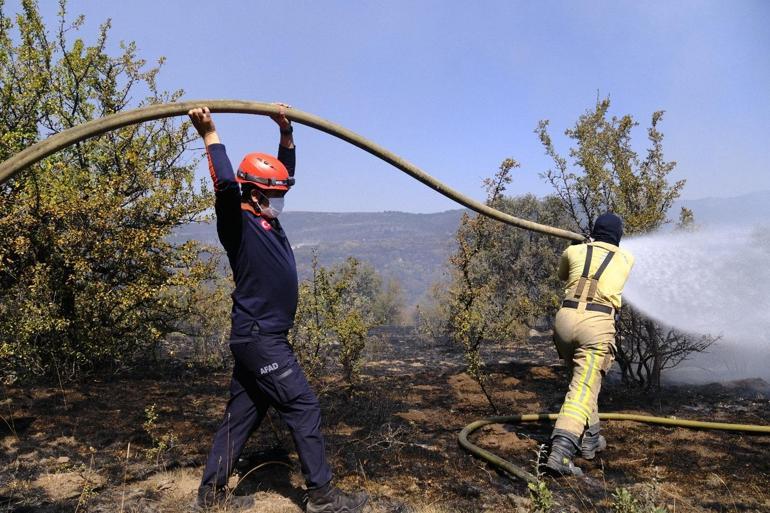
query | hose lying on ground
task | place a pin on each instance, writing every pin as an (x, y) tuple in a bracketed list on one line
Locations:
[(71, 136), (68, 137), (519, 472)]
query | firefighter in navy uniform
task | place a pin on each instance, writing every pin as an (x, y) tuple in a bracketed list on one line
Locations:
[(584, 334), (266, 372)]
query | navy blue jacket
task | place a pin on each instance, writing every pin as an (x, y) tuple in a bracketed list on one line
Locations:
[(260, 255)]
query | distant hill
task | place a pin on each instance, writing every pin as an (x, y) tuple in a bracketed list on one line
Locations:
[(745, 210), (412, 248)]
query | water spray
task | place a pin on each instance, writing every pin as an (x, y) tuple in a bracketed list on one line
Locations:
[(708, 281)]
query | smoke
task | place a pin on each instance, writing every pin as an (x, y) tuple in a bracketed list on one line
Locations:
[(711, 281)]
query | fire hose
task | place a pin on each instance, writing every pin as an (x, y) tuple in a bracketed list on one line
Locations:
[(54, 143), (71, 136), (522, 474)]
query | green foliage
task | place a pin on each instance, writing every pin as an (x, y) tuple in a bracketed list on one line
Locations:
[(432, 319), (150, 424), (309, 335), (337, 307), (162, 443), (88, 277), (541, 497), (502, 277), (205, 326), (608, 175), (624, 501), (388, 304), (351, 332), (686, 220)]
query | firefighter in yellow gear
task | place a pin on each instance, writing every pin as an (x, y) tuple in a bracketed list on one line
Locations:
[(584, 335)]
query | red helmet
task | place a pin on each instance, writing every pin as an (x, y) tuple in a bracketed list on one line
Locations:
[(264, 171)]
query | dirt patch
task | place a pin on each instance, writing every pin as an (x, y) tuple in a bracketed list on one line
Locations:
[(502, 438), (427, 418), (68, 485), (543, 373), (271, 502), (467, 391), (520, 396)]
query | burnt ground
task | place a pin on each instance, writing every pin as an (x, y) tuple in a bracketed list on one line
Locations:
[(90, 447)]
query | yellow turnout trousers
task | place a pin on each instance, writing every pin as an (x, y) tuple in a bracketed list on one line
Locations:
[(585, 339)]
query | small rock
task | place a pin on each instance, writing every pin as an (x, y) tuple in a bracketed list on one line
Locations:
[(520, 504), (467, 490)]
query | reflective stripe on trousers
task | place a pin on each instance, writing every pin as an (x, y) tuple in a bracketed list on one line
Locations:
[(586, 341)]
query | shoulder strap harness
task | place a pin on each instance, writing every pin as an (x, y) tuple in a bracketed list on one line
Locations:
[(593, 280)]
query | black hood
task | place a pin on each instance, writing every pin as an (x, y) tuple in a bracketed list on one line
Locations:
[(608, 228)]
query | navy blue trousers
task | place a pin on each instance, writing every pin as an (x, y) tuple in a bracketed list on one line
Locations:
[(266, 373)]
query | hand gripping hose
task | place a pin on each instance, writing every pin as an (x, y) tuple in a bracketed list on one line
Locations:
[(56, 142), (44, 148), (522, 474)]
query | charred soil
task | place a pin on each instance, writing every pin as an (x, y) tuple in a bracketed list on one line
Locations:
[(136, 442)]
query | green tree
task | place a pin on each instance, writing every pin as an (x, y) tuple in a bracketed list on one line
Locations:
[(686, 220), (502, 277), (431, 318), (388, 304), (203, 330), (337, 308), (608, 175), (309, 337), (88, 275)]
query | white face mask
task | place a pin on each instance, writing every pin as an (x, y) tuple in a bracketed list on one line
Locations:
[(274, 209)]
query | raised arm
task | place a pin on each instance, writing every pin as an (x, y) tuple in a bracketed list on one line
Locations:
[(227, 193), (286, 153), (220, 168), (204, 125)]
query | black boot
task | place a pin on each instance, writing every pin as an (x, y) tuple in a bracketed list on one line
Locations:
[(330, 499), (213, 498), (592, 442), (564, 445)]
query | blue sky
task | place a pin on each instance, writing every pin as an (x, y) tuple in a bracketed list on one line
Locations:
[(456, 87)]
